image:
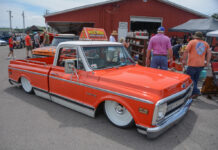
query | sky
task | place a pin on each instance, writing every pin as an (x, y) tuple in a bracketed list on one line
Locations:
[(35, 9)]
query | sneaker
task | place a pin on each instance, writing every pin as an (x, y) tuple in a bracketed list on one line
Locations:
[(8, 58), (28, 57)]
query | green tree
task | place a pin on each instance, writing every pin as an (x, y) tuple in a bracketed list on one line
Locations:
[(215, 16)]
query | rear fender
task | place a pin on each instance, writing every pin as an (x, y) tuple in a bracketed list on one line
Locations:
[(25, 76)]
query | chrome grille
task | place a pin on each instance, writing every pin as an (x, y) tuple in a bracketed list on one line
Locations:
[(177, 102)]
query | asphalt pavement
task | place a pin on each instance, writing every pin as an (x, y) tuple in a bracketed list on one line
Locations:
[(28, 122)]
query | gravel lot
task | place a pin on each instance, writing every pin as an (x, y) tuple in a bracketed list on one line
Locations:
[(28, 122)]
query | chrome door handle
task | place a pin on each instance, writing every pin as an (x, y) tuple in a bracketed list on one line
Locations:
[(54, 74)]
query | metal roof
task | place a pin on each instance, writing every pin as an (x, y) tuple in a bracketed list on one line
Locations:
[(82, 7), (184, 8), (113, 1)]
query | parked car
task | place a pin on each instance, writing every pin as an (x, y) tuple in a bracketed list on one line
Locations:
[(85, 75), (3, 42), (50, 50)]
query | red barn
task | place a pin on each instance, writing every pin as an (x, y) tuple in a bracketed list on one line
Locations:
[(123, 16)]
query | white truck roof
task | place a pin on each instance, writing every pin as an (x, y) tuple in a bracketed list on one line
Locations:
[(91, 43)]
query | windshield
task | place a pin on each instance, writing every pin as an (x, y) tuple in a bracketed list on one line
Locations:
[(103, 57), (56, 41)]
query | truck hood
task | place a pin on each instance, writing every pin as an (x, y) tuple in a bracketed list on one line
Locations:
[(145, 81)]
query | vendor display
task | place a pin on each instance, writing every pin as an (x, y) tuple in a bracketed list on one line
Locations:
[(93, 34)]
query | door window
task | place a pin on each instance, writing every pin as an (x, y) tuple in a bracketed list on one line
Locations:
[(70, 54)]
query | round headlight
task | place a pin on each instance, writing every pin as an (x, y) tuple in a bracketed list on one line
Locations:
[(162, 109)]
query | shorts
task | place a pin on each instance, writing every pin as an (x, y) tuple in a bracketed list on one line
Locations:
[(11, 49), (29, 48)]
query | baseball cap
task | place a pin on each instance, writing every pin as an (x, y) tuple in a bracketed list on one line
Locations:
[(161, 29), (198, 35)]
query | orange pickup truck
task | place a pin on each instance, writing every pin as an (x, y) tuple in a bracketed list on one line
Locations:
[(49, 51), (85, 75)]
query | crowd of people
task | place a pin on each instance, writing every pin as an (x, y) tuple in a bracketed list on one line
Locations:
[(165, 50), (196, 55), (28, 41)]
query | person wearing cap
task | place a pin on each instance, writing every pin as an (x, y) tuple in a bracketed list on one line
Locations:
[(46, 40), (36, 39), (112, 36), (161, 45), (196, 51)]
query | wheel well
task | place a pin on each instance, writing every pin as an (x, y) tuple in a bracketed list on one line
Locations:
[(99, 108)]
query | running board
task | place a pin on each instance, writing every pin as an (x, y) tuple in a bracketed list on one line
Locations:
[(69, 103)]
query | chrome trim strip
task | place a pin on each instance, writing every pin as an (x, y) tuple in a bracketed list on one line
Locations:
[(65, 98), (74, 106), (174, 95), (28, 71), (104, 90), (37, 88), (72, 101)]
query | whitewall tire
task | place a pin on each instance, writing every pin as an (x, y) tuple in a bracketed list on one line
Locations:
[(27, 87), (118, 114)]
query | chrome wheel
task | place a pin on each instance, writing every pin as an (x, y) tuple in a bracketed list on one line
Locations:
[(118, 114), (26, 85)]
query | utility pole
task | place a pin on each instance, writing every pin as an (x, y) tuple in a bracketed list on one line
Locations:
[(23, 22), (10, 16), (46, 12)]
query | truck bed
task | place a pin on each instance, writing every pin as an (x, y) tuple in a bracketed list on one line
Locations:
[(42, 61), (36, 70)]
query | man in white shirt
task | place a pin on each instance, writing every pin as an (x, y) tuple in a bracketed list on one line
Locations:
[(112, 38)]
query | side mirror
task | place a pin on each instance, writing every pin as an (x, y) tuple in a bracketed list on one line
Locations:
[(69, 66)]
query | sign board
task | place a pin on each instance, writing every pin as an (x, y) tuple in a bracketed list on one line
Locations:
[(122, 30), (93, 34)]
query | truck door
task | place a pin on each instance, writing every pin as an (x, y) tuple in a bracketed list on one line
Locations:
[(66, 86)]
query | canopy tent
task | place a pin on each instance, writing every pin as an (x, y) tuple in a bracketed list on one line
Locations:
[(213, 33), (193, 25)]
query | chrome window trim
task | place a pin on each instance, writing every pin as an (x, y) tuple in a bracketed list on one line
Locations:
[(28, 71), (105, 90), (164, 100), (78, 48), (88, 65)]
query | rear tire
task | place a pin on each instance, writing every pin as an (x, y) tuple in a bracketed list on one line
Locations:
[(27, 87), (118, 114)]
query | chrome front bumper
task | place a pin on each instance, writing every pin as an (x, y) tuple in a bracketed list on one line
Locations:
[(167, 123)]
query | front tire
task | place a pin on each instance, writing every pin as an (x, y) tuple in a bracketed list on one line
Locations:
[(27, 87), (118, 114)]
